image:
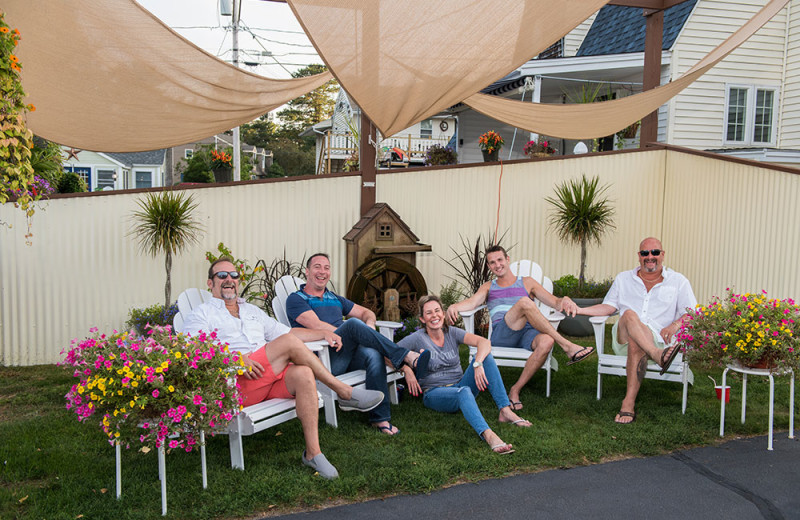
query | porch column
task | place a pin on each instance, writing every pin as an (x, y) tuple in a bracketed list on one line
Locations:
[(654, 38)]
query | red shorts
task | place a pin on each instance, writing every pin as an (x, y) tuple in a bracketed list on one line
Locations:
[(268, 386)]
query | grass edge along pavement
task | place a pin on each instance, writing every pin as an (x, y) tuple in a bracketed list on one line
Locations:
[(54, 467)]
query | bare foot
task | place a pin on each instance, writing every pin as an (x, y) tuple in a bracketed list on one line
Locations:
[(507, 415)]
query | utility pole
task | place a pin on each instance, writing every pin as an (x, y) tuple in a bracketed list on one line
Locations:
[(237, 147)]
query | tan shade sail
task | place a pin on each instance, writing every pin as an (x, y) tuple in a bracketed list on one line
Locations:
[(106, 75), (584, 121), (405, 60)]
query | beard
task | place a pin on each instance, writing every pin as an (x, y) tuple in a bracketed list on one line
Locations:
[(228, 292)]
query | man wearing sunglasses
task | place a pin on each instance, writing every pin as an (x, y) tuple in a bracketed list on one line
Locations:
[(652, 301), (279, 364)]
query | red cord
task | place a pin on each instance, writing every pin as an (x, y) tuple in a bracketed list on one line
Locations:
[(497, 218)]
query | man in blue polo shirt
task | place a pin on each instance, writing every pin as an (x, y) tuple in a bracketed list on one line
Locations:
[(357, 345)]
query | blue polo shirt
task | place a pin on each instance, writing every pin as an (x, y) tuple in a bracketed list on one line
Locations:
[(330, 308)]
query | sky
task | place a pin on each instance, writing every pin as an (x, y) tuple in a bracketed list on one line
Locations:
[(278, 48)]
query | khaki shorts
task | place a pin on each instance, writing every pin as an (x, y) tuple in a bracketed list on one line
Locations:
[(621, 349)]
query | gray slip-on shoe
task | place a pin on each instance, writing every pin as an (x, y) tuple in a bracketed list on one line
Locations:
[(321, 465), (362, 400)]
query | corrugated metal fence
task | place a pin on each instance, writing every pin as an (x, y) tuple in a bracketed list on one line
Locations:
[(723, 223)]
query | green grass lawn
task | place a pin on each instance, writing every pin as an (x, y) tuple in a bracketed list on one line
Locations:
[(54, 467)]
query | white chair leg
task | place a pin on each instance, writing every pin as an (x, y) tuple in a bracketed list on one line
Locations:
[(235, 442), (791, 406), (771, 410), (685, 386), (599, 385), (329, 403), (393, 398), (549, 367)]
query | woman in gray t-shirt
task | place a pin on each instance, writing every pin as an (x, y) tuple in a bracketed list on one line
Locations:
[(447, 388)]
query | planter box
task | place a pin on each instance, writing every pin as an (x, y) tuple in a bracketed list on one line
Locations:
[(579, 325)]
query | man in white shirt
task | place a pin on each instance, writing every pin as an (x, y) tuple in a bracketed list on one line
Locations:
[(652, 301), (278, 364)]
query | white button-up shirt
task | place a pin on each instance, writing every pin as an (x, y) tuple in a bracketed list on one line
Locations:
[(663, 304), (245, 334)]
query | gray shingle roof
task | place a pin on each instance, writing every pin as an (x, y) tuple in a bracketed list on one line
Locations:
[(618, 30), (151, 158)]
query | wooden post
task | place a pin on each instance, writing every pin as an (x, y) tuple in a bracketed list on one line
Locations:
[(654, 37), (366, 163)]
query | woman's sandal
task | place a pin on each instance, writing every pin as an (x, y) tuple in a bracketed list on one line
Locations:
[(420, 365), (502, 449), (387, 430)]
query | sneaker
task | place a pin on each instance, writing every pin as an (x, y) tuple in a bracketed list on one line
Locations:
[(362, 400), (321, 465)]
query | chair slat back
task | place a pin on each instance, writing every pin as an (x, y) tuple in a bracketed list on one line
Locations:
[(188, 300), (285, 286)]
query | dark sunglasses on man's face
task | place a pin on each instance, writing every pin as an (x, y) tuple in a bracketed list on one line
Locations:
[(223, 275), (655, 252)]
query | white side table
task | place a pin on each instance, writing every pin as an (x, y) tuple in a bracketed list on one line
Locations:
[(745, 371)]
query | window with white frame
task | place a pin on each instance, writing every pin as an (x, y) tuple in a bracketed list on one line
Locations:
[(426, 129), (105, 179), (750, 115), (187, 153), (144, 179)]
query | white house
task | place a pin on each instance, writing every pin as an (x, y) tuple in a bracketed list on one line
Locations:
[(747, 106), (116, 171)]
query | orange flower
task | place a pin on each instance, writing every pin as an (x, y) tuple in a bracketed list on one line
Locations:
[(16, 31), (4, 30), (32, 108), (15, 67), (13, 58)]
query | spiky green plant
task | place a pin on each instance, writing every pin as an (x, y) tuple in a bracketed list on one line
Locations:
[(581, 214), (164, 223)]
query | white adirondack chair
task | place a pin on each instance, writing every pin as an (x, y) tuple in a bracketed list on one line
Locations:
[(517, 357), (614, 365), (288, 284), (251, 419)]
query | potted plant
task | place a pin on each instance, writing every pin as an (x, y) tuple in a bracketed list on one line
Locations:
[(581, 214), (157, 389), (490, 142), (438, 155), (539, 148), (747, 329), (628, 136)]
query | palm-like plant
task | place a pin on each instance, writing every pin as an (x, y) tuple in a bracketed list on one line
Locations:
[(581, 214), (164, 223)]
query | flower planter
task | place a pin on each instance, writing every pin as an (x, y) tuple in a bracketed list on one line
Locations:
[(223, 174), (490, 156), (579, 325)]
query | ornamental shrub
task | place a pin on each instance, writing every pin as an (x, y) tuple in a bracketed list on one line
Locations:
[(276, 170), (568, 285), (199, 175), (138, 319), (71, 182)]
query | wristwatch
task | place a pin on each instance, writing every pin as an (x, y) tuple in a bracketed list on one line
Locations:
[(477, 364)]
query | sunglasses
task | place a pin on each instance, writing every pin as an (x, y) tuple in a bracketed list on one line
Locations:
[(645, 252), (223, 275)]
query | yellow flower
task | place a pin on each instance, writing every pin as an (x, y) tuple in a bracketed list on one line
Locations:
[(171, 388)]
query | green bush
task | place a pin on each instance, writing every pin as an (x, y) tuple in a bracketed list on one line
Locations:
[(276, 170), (71, 182), (568, 285), (198, 175), (154, 315)]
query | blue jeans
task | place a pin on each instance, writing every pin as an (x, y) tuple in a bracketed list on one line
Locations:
[(363, 348), (461, 396)]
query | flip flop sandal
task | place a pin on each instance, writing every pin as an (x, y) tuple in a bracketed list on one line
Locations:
[(515, 405), (420, 366), (516, 423), (626, 414), (502, 445), (387, 430), (666, 363), (577, 357)]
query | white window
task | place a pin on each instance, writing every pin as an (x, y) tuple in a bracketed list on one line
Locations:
[(105, 179), (750, 115), (144, 179), (187, 153), (426, 129)]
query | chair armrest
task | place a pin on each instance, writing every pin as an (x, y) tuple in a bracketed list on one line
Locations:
[(599, 326), (555, 317), (316, 346), (387, 328), (469, 318)]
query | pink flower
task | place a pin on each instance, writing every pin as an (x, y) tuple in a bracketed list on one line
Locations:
[(197, 400), (155, 392)]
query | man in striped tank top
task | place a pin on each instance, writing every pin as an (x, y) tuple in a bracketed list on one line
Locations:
[(516, 319)]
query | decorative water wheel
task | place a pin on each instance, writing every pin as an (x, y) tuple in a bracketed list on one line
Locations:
[(372, 279)]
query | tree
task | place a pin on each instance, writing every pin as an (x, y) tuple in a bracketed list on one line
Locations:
[(164, 223), (581, 214), (310, 108)]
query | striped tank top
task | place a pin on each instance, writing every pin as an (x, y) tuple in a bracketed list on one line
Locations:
[(501, 299)]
